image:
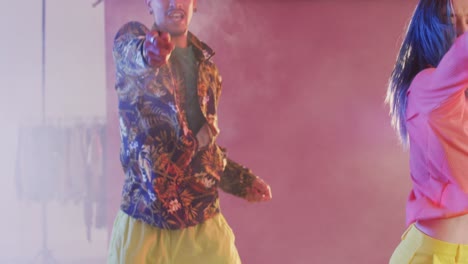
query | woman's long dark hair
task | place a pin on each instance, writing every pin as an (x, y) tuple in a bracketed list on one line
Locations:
[(429, 36)]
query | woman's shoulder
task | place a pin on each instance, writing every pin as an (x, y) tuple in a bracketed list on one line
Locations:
[(422, 79)]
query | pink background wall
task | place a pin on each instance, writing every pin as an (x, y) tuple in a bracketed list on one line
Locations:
[(304, 84)]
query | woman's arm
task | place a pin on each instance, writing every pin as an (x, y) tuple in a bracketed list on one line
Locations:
[(436, 87)]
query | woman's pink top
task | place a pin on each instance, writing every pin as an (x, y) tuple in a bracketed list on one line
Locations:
[(437, 123)]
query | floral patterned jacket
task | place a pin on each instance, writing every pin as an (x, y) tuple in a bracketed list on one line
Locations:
[(169, 182)]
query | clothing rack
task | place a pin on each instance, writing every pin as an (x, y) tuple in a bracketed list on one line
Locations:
[(63, 160), (45, 255)]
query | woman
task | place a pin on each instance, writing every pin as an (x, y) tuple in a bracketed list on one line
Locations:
[(428, 108)]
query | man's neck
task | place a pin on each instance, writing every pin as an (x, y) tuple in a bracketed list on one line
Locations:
[(180, 41)]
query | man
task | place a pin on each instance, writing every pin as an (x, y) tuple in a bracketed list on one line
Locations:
[(168, 91)]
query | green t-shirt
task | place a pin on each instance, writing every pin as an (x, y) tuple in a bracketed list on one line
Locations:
[(189, 68)]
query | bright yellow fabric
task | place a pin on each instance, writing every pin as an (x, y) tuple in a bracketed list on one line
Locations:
[(418, 248), (135, 242)]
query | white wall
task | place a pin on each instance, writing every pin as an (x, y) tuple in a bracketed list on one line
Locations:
[(75, 88)]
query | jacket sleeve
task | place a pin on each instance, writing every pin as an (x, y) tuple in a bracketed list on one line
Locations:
[(128, 51), (236, 179)]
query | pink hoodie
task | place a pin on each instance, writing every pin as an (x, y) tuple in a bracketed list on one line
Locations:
[(437, 123)]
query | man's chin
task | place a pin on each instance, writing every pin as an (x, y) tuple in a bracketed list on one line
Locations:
[(177, 33)]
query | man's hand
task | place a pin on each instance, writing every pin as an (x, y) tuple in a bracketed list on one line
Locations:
[(157, 48), (259, 192)]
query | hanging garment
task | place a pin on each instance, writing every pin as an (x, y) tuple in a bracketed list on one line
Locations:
[(40, 161), (77, 163), (95, 197), (101, 203)]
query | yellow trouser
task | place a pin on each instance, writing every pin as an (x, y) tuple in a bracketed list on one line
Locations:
[(418, 248), (135, 242)]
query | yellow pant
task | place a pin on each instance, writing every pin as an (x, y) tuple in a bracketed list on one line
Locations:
[(135, 242), (418, 248)]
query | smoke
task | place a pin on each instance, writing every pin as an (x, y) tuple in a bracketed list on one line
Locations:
[(239, 33), (221, 19)]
